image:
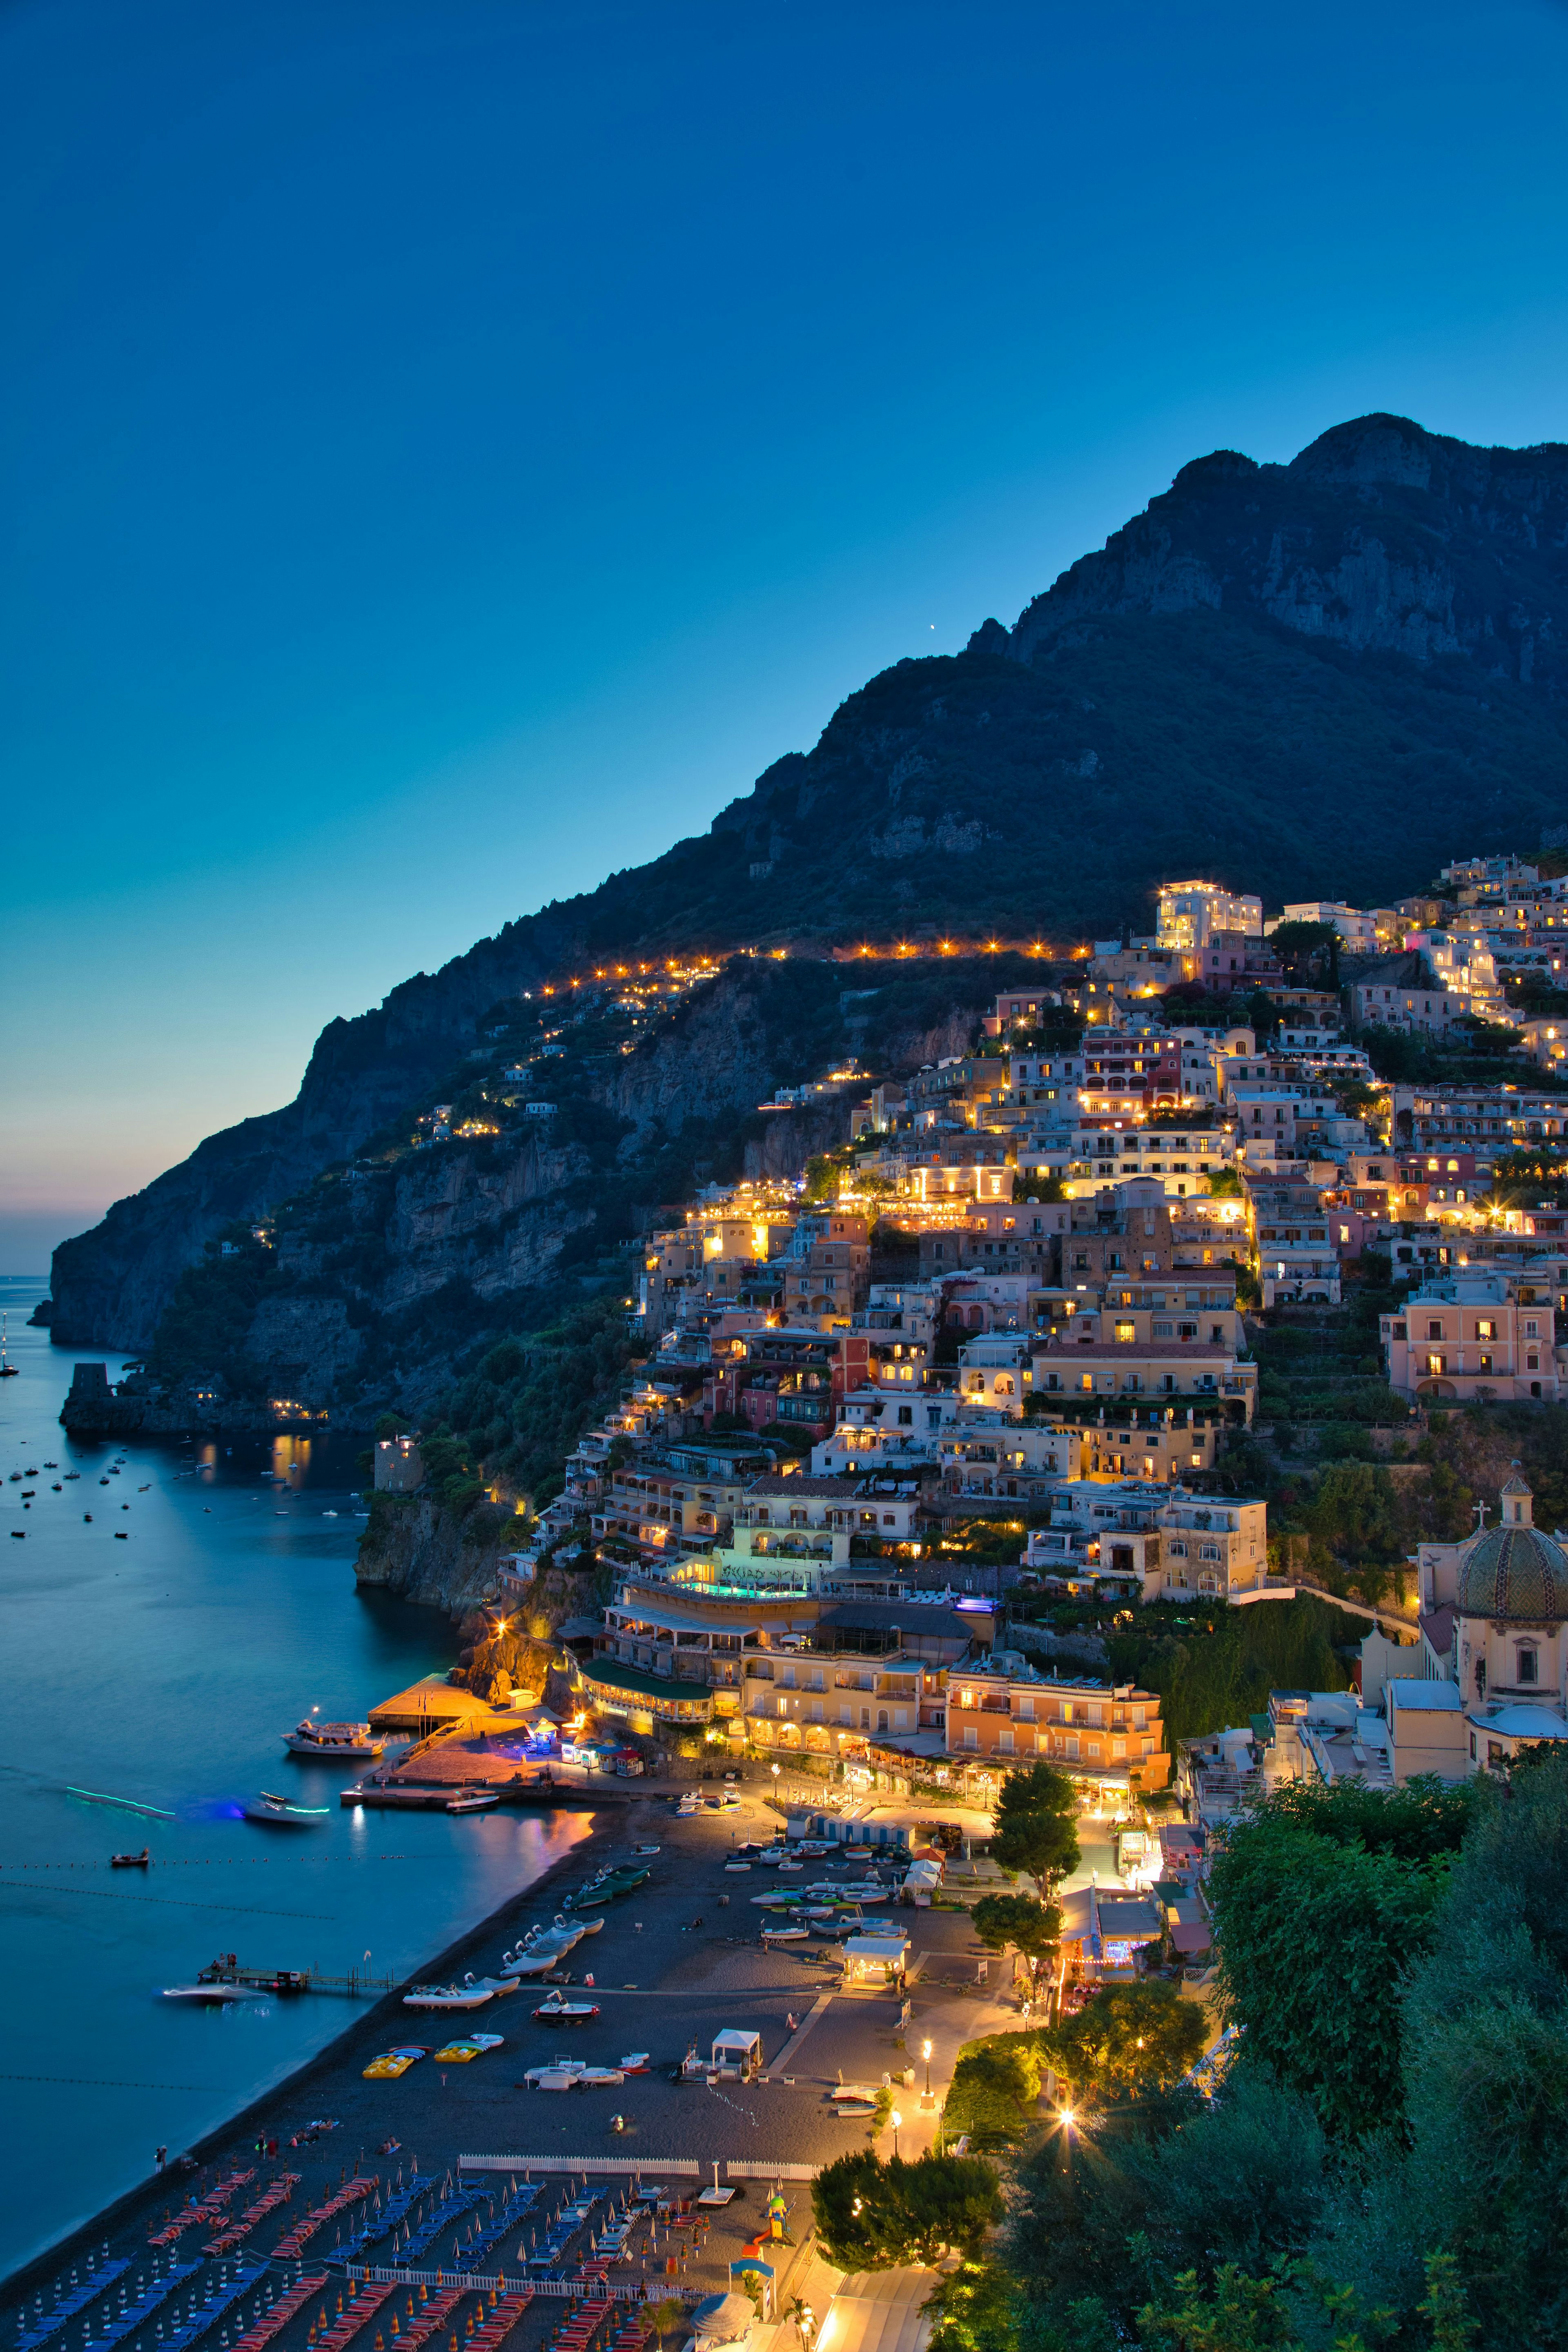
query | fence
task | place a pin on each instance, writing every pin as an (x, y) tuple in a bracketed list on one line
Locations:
[(593, 2290), (586, 2164), (733, 2168)]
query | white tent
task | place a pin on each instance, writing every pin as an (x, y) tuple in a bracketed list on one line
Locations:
[(862, 1954), (878, 2311), (735, 2050)]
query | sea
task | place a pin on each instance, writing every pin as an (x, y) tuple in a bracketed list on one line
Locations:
[(164, 1670)]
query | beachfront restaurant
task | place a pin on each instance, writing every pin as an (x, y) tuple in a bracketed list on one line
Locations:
[(611, 1687)]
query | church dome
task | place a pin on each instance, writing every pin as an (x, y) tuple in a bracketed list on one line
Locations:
[(1515, 1572)]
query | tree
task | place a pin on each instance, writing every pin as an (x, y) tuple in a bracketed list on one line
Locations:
[(1314, 1935), (1128, 2038), (1031, 1928), (1035, 1829), (873, 2216)]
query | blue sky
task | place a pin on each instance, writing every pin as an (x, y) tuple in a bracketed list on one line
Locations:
[(449, 446)]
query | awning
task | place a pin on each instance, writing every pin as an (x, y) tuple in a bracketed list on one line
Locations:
[(1194, 1937), (879, 2310)]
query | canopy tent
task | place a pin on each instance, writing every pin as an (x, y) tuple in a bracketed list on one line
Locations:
[(879, 2310)]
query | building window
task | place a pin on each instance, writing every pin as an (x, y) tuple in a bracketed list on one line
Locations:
[(1529, 1665), (971, 1736), (1435, 1328)]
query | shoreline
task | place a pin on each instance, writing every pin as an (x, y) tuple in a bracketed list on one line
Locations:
[(87, 2235)]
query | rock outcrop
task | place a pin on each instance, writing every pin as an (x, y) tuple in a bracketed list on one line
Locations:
[(1324, 678)]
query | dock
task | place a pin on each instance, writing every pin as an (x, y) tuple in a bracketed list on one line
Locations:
[(357, 1984), (433, 1705)]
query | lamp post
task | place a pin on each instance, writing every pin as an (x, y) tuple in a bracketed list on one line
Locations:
[(925, 2054), (895, 2119)]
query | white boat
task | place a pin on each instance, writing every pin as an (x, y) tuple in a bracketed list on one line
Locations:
[(211, 1996), (494, 1984), (281, 1813), (592, 2075), (464, 1996), (542, 1949), (642, 1851), (473, 1800), (785, 1935), (332, 1742), (566, 2069), (590, 1926), (635, 2063)]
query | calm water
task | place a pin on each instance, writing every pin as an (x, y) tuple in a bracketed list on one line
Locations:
[(165, 1668)]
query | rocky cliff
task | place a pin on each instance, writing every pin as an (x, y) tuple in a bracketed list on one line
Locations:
[(1324, 678)]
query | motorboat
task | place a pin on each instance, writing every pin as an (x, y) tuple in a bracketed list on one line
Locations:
[(638, 2063), (575, 2012), (280, 1813), (463, 1996), (589, 1926), (131, 1861), (592, 2076), (332, 1742), (645, 1851), (494, 1984), (473, 1800), (211, 1996), (564, 2070), (785, 1935), (542, 1952)]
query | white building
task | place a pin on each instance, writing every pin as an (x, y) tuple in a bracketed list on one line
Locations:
[(1191, 912)]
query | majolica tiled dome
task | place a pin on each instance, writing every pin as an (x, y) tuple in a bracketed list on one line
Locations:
[(1515, 1572)]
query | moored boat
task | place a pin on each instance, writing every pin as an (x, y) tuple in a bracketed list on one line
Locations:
[(343, 1743)]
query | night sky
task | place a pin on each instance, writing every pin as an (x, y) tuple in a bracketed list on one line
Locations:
[(448, 449)]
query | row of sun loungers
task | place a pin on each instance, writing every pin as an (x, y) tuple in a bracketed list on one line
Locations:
[(130, 2316), (351, 2193), (242, 2225), (276, 2319), (386, 2217), (217, 2300), (202, 2209), (42, 2325)]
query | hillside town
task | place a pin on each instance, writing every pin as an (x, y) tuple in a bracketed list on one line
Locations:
[(1001, 1351)]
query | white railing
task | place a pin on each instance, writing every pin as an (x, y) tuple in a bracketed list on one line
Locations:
[(595, 2164), (516, 2282)]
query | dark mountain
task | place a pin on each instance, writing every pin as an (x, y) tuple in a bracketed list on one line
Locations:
[(1320, 678)]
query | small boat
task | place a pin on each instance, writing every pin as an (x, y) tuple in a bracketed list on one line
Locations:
[(280, 1814), (469, 1996), (131, 1861), (211, 1996), (638, 2063), (473, 1800), (600, 2076), (644, 1851), (573, 2011), (494, 1984), (345, 1742), (785, 1935), (564, 2070), (392, 2062), (470, 2046), (589, 1926)]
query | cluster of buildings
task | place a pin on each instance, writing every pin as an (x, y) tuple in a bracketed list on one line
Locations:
[(1018, 1308)]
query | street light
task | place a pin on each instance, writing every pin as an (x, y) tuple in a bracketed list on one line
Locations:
[(895, 2119), (925, 2054)]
